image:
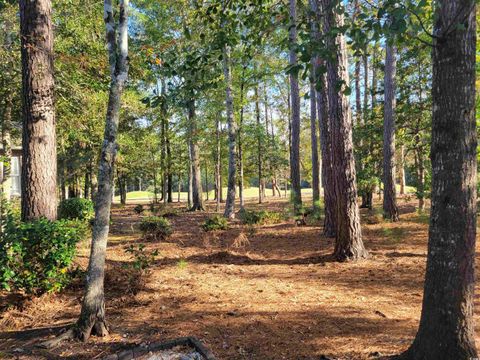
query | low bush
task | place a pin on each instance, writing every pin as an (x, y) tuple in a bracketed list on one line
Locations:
[(37, 256), (156, 227), (138, 209), (138, 268), (76, 209), (263, 217), (215, 222)]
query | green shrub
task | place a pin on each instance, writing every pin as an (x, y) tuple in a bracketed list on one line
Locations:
[(263, 217), (142, 260), (138, 209), (156, 227), (76, 209), (37, 256), (215, 222)]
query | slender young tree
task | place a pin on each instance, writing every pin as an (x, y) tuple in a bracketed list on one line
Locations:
[(296, 194), (314, 144), (39, 161), (92, 316), (446, 328), (232, 137), (259, 146), (348, 240), (196, 178), (390, 209)]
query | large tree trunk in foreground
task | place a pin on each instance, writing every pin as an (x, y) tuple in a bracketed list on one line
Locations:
[(196, 178), (232, 137), (390, 209), (92, 317), (39, 162), (329, 224), (446, 328), (296, 195), (348, 240)]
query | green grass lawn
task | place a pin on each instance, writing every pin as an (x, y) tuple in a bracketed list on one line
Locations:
[(146, 196), (251, 192)]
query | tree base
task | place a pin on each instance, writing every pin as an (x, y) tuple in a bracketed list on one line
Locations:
[(99, 329)]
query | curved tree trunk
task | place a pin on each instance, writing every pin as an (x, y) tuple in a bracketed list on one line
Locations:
[(348, 240), (446, 328), (390, 209), (232, 137), (92, 316), (39, 161), (196, 178), (296, 195)]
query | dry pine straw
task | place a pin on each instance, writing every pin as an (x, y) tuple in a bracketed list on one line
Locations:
[(277, 296)]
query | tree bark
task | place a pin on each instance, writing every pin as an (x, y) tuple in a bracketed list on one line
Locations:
[(218, 167), (402, 170), (296, 195), (196, 178), (329, 225), (446, 329), (39, 161), (92, 316), (232, 137), (314, 144), (390, 209), (6, 142), (348, 240), (259, 145), (240, 145)]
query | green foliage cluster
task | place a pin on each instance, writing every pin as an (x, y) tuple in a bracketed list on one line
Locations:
[(76, 209), (142, 259), (156, 227), (262, 217), (214, 223), (37, 256), (138, 209)]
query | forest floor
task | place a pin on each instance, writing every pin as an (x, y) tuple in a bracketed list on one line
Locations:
[(278, 297)]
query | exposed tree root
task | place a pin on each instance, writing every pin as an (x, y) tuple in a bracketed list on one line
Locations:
[(99, 329), (67, 335)]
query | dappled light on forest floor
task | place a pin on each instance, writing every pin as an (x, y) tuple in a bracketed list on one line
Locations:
[(280, 296)]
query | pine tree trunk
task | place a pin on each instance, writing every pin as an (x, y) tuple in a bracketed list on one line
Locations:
[(446, 328), (365, 88), (196, 178), (259, 146), (92, 316), (390, 209), (296, 195), (240, 145), (218, 168), (232, 137), (329, 225), (39, 161), (348, 240), (314, 145), (402, 170), (6, 142), (358, 97)]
